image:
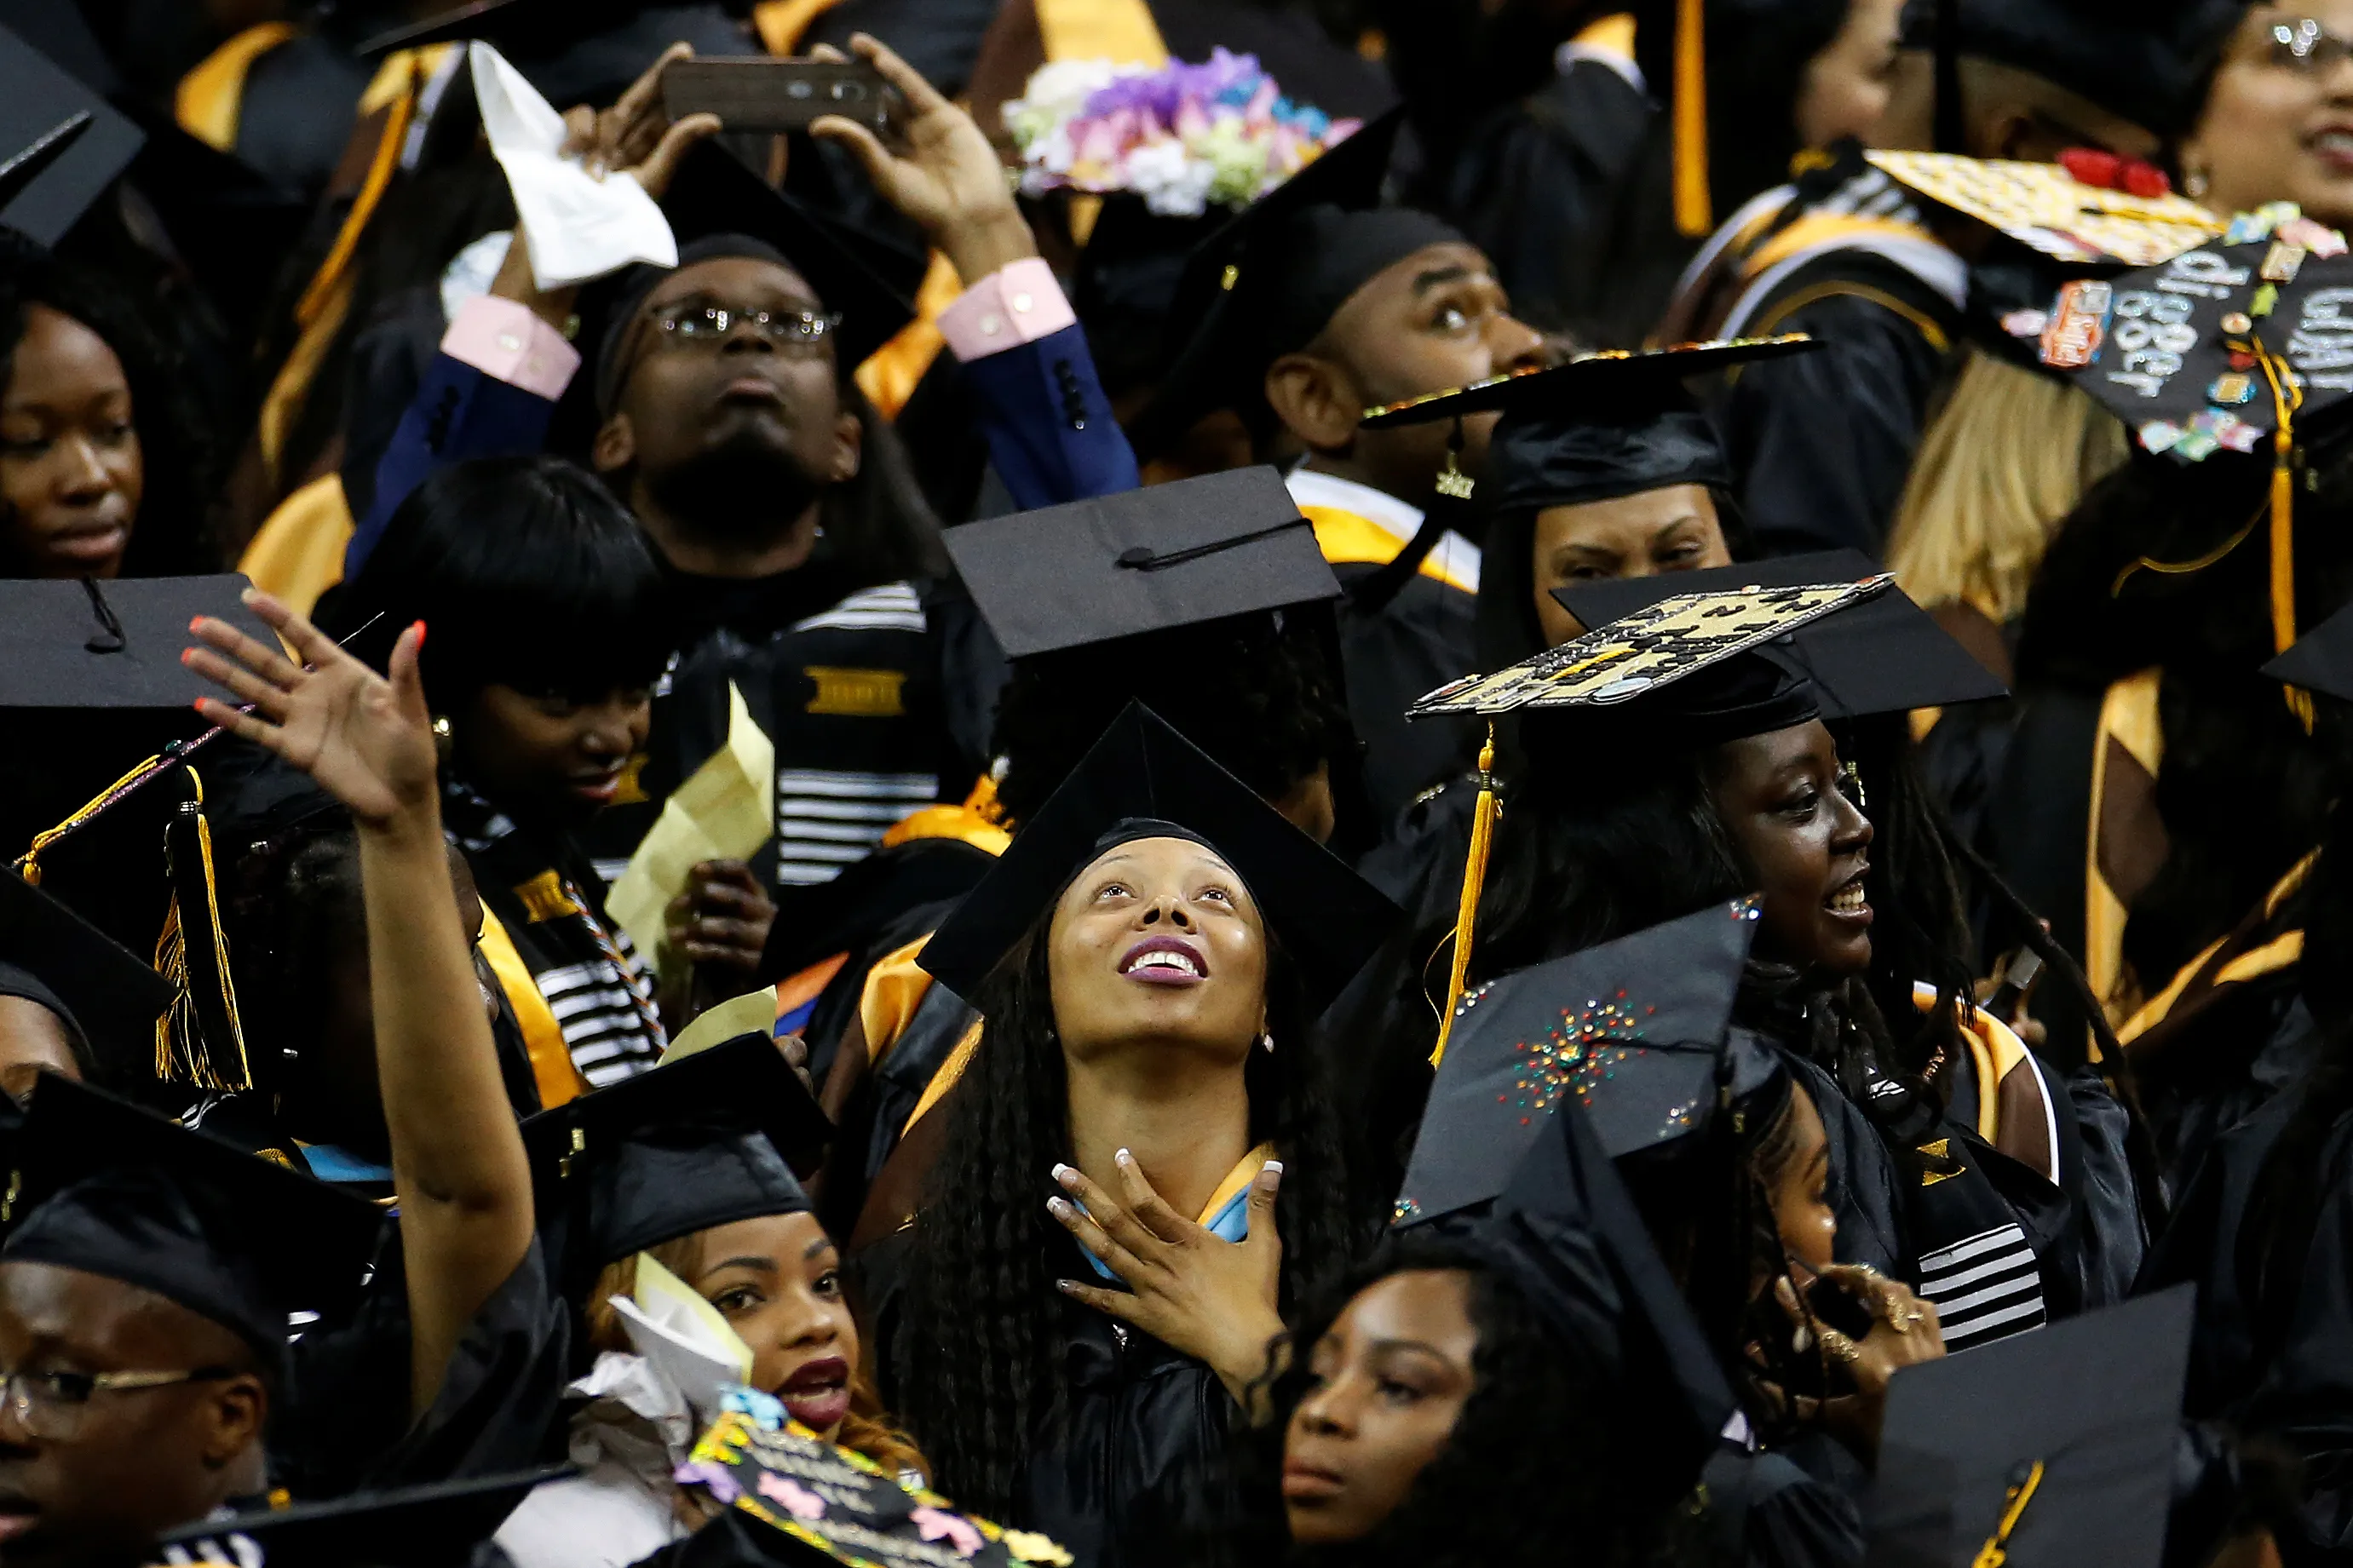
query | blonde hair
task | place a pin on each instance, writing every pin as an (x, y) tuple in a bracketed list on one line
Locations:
[(1998, 468), (865, 1430)]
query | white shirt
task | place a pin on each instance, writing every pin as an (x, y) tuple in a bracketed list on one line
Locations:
[(1454, 555)]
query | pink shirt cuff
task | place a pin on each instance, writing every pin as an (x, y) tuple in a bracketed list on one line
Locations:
[(1012, 306), (506, 342)]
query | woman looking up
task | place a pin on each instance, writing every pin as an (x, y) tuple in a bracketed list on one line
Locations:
[(1148, 956)]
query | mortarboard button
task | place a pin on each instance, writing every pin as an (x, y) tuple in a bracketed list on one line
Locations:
[(39, 99), (1143, 772), (1140, 560), (1884, 654)]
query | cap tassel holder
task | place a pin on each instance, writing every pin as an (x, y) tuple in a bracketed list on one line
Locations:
[(1695, 209), (1474, 881), (2287, 397), (195, 1031)]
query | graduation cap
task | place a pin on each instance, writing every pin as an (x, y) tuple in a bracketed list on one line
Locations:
[(2148, 61), (1884, 655), (1143, 780), (1646, 653), (1140, 560), (2042, 1450), (704, 1140), (1598, 428), (1270, 278), (2044, 206), (2321, 660), (505, 25), (100, 1185), (82, 643), (1633, 1032), (432, 1526), (62, 169), (718, 206), (104, 993)]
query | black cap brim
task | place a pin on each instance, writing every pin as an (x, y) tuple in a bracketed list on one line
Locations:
[(39, 99), (1885, 655), (433, 1526), (1328, 918), (114, 996), (2321, 660), (1614, 379), (1140, 560)]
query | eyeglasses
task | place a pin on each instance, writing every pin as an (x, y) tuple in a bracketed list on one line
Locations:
[(2308, 48), (799, 331), (50, 1404)]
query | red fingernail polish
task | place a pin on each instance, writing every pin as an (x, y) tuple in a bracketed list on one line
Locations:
[(420, 637), (195, 623)]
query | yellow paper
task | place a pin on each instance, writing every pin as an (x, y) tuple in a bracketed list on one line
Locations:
[(721, 813), (753, 1012)]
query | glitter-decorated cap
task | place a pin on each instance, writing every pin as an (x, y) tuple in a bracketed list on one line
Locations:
[(2054, 1446), (2190, 353), (1634, 1032), (1653, 649), (2043, 205), (1885, 655)]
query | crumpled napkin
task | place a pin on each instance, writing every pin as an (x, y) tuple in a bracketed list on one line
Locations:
[(575, 227)]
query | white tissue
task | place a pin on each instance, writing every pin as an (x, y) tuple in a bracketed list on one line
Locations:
[(575, 227)]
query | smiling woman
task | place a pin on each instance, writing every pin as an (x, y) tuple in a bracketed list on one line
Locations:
[(96, 477), (1143, 1171)]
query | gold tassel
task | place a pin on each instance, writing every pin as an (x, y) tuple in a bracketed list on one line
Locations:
[(2287, 397), (28, 864), (1474, 880), (181, 1021), (1694, 208)]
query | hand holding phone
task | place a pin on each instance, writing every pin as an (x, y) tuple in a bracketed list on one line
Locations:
[(781, 95)]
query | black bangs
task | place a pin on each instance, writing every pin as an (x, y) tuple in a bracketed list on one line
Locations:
[(527, 573)]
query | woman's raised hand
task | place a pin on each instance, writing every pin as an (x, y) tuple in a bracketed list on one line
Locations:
[(1903, 1333), (1211, 1298), (366, 738)]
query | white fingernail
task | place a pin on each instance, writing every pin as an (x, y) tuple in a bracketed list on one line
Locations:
[(1062, 1172), (1125, 1158), (1273, 1166)]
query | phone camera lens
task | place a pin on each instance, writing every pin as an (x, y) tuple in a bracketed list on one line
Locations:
[(798, 89)]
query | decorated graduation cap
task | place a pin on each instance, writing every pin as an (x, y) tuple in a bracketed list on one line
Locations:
[(1636, 1034), (1688, 666), (2046, 207), (2043, 1450), (99, 1185), (1140, 560), (1270, 279), (1601, 426), (718, 206), (702, 1141), (104, 994), (61, 144), (429, 1526), (1143, 780), (2147, 61), (1883, 655)]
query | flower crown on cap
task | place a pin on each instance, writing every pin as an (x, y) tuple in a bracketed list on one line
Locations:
[(1182, 137)]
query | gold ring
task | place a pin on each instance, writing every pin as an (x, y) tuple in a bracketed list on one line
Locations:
[(1841, 1346)]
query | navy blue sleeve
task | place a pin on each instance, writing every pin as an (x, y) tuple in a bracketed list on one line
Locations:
[(1051, 436), (459, 413)]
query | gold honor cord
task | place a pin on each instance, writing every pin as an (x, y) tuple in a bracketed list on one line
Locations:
[(1474, 879), (1996, 1551), (2286, 398), (1694, 207)]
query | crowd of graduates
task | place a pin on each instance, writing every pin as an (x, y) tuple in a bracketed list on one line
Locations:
[(1131, 784)]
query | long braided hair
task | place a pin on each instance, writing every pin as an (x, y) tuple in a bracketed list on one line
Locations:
[(980, 1343)]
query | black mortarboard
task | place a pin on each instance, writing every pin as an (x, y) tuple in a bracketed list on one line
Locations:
[(21, 168), (37, 99), (2180, 351), (104, 993), (1140, 560), (1632, 1031), (1694, 642), (1884, 654), (1143, 780), (2071, 1428), (84, 643), (702, 1141), (718, 206), (100, 1185), (1601, 426), (2148, 61), (1268, 279), (504, 24), (434, 1526), (2321, 660)]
